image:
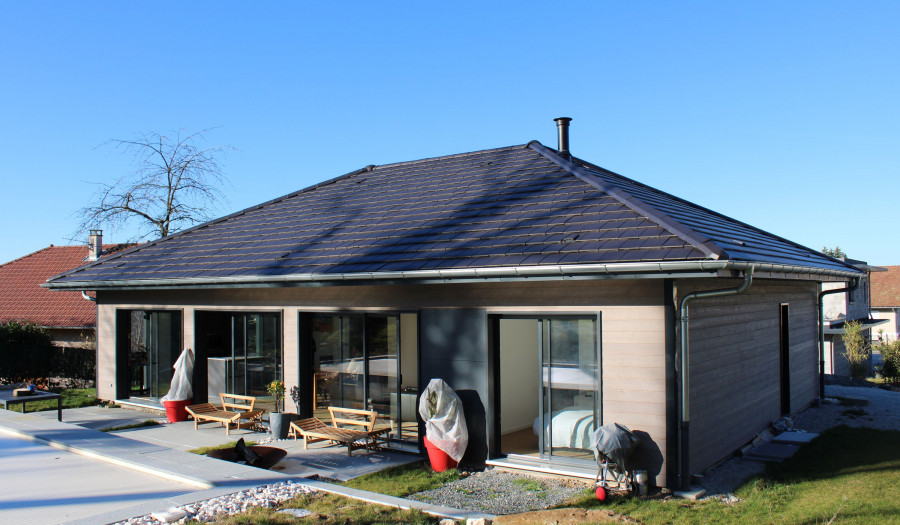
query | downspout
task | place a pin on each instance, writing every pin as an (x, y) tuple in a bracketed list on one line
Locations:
[(822, 294), (96, 368), (683, 450)]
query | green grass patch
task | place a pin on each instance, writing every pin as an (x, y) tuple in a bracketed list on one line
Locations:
[(231, 444), (142, 424), (71, 398), (330, 509), (528, 484), (850, 475), (404, 480)]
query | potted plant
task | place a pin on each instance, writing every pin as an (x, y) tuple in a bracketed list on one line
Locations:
[(440, 460), (446, 435), (279, 422)]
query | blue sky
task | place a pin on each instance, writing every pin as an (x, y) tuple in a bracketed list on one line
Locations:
[(785, 115)]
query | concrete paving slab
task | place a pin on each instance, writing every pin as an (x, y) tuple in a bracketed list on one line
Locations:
[(100, 418), (47, 485), (692, 493), (795, 438), (206, 478), (333, 462), (776, 452)]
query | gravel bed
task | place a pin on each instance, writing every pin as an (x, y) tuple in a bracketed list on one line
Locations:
[(211, 509), (882, 412), (497, 492)]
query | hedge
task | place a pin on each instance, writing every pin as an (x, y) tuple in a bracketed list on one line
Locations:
[(27, 355)]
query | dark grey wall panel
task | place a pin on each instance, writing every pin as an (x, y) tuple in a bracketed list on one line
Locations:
[(454, 348)]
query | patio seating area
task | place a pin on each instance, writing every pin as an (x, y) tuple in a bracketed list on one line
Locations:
[(321, 460), (233, 409), (363, 435)]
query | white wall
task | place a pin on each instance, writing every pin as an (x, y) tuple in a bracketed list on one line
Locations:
[(519, 374), (891, 329)]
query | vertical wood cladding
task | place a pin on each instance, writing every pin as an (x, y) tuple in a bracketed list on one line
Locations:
[(106, 351), (735, 363)]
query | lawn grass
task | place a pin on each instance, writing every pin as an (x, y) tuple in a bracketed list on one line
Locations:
[(403, 480), (71, 398), (330, 509), (850, 475), (231, 444)]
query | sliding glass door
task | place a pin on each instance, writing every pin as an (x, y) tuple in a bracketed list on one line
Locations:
[(549, 373), (154, 344), (357, 364), (247, 357), (569, 383)]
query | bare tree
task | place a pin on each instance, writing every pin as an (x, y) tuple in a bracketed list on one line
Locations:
[(175, 184)]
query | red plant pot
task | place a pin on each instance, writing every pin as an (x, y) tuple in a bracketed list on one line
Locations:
[(175, 411), (440, 460)]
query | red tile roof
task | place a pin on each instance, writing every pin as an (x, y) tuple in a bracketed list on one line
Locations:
[(23, 299), (886, 288)]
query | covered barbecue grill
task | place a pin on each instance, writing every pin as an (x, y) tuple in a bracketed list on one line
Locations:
[(613, 445)]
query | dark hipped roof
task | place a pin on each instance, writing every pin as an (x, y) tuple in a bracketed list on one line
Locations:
[(521, 207)]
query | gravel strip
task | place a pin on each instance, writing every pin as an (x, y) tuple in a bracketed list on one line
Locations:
[(497, 492), (211, 509)]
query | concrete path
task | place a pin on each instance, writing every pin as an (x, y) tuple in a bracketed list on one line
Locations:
[(47, 485), (187, 478)]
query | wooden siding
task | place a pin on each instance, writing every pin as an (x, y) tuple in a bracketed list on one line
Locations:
[(106, 351), (735, 363), (640, 292), (633, 331), (634, 378)]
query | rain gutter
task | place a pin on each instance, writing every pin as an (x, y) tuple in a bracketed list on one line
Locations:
[(683, 450), (822, 294), (525, 272)]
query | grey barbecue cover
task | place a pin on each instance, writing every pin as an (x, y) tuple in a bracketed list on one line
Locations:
[(615, 443)]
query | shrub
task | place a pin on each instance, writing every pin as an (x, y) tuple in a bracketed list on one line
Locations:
[(856, 349), (27, 355), (25, 352), (890, 353)]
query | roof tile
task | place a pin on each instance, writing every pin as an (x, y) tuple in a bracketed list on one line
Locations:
[(23, 299), (510, 206)]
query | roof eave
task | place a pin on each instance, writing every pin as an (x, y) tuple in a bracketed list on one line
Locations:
[(613, 270)]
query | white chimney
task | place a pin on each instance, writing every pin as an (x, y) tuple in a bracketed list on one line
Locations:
[(95, 245)]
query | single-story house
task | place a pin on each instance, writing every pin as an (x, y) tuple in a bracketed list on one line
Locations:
[(838, 308), (552, 294), (886, 302), (69, 317)]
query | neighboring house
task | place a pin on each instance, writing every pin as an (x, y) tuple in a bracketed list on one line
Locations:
[(544, 289), (886, 301), (838, 308), (68, 317)]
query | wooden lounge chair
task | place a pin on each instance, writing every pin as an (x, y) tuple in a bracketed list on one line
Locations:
[(234, 408), (365, 436)]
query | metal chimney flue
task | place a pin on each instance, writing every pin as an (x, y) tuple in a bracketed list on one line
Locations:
[(562, 126), (95, 245)]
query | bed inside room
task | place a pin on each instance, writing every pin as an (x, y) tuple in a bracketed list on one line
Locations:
[(548, 381)]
